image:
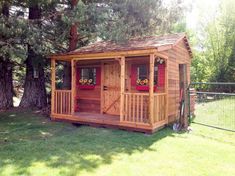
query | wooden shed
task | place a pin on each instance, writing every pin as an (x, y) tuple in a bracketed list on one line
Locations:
[(134, 85)]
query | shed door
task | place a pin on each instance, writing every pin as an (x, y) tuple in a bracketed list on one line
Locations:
[(111, 88)]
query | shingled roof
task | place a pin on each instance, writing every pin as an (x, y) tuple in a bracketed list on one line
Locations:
[(150, 42)]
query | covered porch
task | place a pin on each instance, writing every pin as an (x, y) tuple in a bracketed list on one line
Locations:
[(130, 92)]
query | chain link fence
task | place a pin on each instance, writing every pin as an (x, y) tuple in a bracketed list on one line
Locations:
[(213, 104)]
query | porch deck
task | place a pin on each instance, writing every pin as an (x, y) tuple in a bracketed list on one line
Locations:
[(105, 120), (99, 118), (135, 112)]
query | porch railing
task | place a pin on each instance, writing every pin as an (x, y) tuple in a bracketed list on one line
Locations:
[(136, 107), (62, 102), (160, 105)]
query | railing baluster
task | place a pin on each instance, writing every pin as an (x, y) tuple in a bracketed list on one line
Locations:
[(62, 103), (133, 117), (141, 109), (126, 109), (130, 103), (55, 102), (136, 107)]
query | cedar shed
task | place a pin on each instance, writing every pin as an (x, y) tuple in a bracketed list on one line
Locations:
[(133, 86)]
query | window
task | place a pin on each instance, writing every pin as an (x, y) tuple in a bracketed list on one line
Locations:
[(143, 74), (155, 74), (88, 76)]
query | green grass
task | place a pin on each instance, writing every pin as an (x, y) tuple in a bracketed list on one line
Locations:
[(33, 145), (218, 113)]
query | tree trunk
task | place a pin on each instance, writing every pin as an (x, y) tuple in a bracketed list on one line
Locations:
[(73, 40), (6, 86), (34, 86)]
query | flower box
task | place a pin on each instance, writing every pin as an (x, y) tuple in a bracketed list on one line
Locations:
[(86, 87), (145, 87)]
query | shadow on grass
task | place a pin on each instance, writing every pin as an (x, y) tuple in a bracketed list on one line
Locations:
[(65, 147)]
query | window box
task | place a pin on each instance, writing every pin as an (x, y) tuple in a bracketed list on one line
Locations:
[(86, 87), (145, 88)]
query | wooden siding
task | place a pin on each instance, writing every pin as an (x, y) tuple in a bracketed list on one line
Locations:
[(178, 55), (112, 93), (88, 99)]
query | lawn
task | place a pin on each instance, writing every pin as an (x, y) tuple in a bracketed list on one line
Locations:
[(31, 144), (218, 113)]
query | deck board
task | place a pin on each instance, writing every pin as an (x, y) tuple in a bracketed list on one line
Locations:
[(102, 118), (105, 120)]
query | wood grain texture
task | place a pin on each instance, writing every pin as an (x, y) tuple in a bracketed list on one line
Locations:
[(116, 96), (112, 86), (122, 79), (151, 84), (73, 85), (62, 102), (52, 85)]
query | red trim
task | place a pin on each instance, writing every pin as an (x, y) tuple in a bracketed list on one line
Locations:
[(86, 87), (98, 75), (161, 75), (145, 88), (133, 75), (78, 76), (76, 108)]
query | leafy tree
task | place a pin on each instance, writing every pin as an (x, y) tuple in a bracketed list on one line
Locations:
[(214, 54)]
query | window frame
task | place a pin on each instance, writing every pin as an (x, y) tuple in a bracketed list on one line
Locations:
[(94, 76), (147, 73)]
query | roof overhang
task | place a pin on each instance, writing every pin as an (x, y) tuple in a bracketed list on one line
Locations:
[(119, 53)]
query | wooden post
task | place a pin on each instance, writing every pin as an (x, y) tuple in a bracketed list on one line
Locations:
[(186, 99), (183, 86), (102, 89), (52, 85), (73, 85), (166, 90), (151, 84), (122, 62)]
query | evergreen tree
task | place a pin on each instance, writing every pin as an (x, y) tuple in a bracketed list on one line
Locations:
[(59, 26), (6, 84), (34, 86)]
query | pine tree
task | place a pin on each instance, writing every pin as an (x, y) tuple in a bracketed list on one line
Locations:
[(61, 26), (34, 86), (6, 84)]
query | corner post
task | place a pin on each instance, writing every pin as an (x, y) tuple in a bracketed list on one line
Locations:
[(122, 63), (151, 85), (52, 85), (73, 85), (166, 90), (102, 89)]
